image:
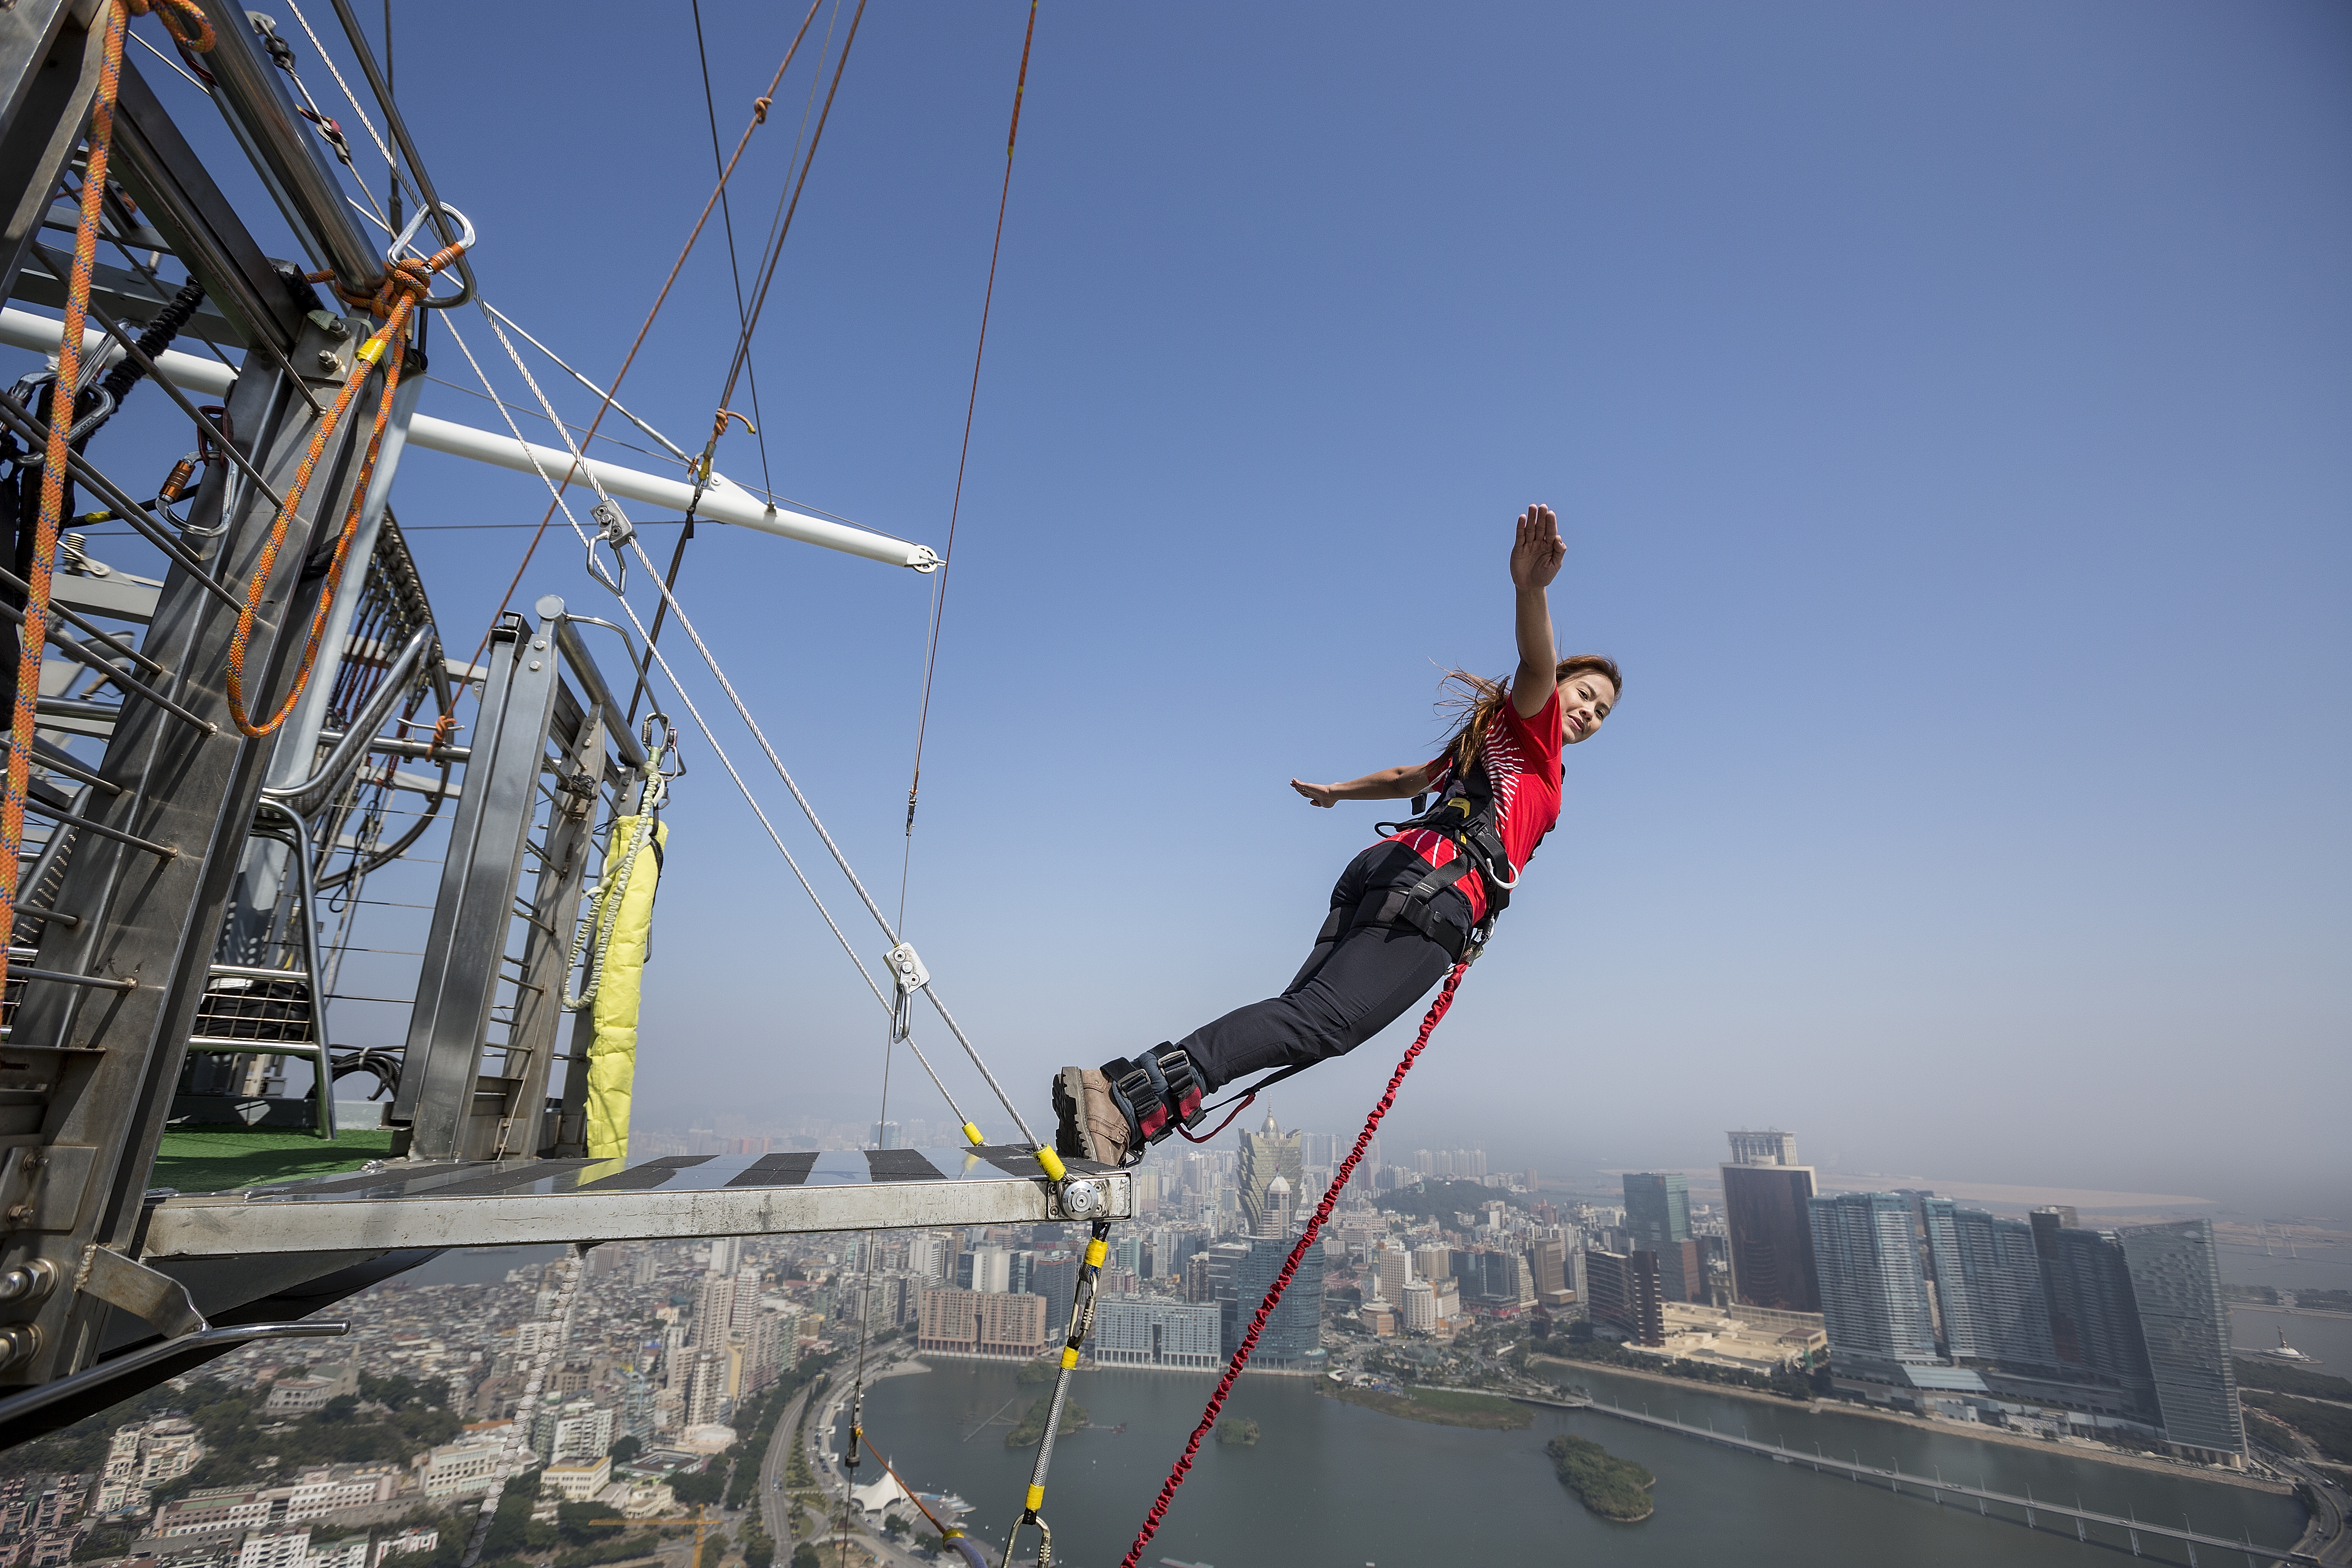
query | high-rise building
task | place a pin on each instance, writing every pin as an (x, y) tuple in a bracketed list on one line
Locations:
[(707, 1392), (1769, 1232), (1054, 1276), (1548, 1258), (1221, 1271), (1622, 1289), (1391, 1267), (1773, 1147), (2175, 1279), (1989, 1282), (1433, 1261), (1658, 1214), (1420, 1306), (1657, 1208), (2094, 1324), (885, 1135), (1873, 1293), (1293, 1336), (1267, 1154), (992, 1269), (1144, 1331), (975, 1322)]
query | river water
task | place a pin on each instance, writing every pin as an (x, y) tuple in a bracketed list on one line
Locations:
[(1331, 1485)]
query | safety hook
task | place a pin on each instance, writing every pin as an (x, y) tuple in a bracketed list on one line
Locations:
[(668, 748), (613, 527), (710, 450)]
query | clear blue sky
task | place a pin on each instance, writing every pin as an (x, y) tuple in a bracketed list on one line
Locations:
[(1947, 405)]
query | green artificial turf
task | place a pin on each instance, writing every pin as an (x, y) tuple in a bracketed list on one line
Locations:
[(210, 1158)]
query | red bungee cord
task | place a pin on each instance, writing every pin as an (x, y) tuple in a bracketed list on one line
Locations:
[(1282, 1281)]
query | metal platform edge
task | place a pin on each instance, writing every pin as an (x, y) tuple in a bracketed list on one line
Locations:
[(279, 1220)]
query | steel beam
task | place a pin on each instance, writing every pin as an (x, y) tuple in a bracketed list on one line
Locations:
[(579, 1201), (49, 61), (472, 914)]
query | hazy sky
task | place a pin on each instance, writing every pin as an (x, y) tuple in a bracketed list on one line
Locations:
[(1946, 405)]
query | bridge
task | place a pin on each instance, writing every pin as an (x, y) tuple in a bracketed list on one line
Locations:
[(1938, 1491)]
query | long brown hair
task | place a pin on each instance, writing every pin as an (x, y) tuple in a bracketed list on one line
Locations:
[(1477, 700)]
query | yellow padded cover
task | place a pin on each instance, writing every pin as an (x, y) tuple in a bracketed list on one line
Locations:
[(613, 1057)]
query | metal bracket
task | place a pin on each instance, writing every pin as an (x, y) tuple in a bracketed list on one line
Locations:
[(139, 1290), (906, 969), (41, 1188)]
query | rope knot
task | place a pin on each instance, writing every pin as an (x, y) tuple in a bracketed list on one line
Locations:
[(181, 19)]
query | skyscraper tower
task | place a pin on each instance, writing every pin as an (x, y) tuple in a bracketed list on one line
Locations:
[(1873, 1293), (1657, 1208), (1989, 1282), (1267, 1154), (2175, 1279), (1657, 1216), (1764, 1196)]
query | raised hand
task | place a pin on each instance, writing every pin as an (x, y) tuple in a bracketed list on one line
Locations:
[(1538, 552), (1324, 795)]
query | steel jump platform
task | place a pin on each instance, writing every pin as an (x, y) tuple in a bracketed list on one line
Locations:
[(509, 1202)]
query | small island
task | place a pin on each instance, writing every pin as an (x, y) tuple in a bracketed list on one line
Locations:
[(1032, 1429), (1615, 1488), (1439, 1406), (1237, 1432)]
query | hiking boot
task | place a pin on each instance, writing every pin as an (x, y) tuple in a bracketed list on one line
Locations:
[(1093, 1126)]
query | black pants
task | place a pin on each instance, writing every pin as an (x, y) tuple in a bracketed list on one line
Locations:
[(1351, 987)]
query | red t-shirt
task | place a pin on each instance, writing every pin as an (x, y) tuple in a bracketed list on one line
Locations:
[(1522, 761)]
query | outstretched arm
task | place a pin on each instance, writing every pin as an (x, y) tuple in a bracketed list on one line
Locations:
[(1537, 554), (1389, 784)]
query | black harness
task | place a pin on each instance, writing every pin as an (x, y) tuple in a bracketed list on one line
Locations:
[(1466, 814)]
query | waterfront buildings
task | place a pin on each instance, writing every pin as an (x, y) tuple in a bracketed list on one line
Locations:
[(2036, 1319), (1989, 1284), (1293, 1337), (1624, 1292), (1765, 1192), (2176, 1281), (978, 1322), (1873, 1293), (1144, 1331)]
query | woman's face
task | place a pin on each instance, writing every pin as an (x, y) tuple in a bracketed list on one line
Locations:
[(1585, 699)]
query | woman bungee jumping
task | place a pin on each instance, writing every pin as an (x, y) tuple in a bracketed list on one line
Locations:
[(1406, 909)]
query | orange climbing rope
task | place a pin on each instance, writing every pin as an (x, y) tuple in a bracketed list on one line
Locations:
[(1282, 1281), (186, 23), (407, 280)]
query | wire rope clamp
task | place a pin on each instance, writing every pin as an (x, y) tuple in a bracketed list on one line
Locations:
[(906, 969)]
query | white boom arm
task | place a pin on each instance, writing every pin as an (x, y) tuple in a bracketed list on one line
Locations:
[(722, 502)]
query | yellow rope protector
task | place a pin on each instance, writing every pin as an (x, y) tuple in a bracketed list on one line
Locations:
[(612, 1055), (972, 1132), (1096, 1252), (1052, 1162)]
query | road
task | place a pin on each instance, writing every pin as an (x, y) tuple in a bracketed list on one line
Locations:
[(2326, 1540), (775, 1498)]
